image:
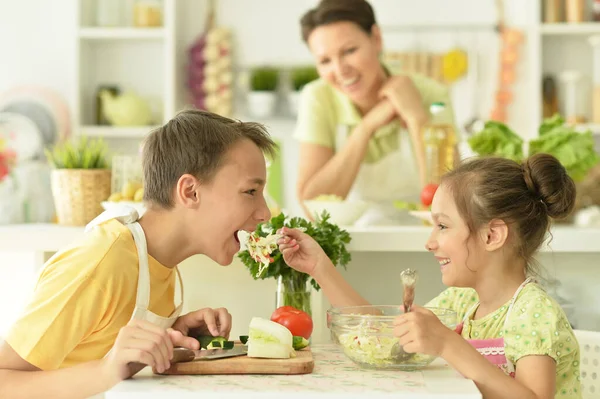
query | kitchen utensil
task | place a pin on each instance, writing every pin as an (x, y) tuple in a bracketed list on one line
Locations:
[(51, 101), (181, 355), (409, 278), (303, 363), (22, 135)]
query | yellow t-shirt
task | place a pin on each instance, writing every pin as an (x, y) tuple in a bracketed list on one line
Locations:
[(536, 325), (323, 108), (83, 296)]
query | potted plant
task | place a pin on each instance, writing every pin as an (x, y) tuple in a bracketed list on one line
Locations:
[(293, 287), (80, 181), (262, 97), (299, 77)]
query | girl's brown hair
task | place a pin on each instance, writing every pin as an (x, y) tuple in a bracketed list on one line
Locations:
[(359, 12), (525, 196)]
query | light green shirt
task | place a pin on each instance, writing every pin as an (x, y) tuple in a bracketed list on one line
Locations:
[(536, 325), (322, 109)]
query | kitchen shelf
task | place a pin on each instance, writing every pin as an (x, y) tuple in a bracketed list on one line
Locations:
[(52, 237), (123, 132), (562, 29), (122, 33)]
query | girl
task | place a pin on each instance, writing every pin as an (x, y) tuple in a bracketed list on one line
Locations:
[(490, 216)]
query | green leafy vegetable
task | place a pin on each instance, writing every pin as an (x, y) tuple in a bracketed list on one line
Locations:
[(329, 236), (574, 149), (497, 139)]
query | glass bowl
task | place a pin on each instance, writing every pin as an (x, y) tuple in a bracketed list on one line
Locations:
[(366, 335)]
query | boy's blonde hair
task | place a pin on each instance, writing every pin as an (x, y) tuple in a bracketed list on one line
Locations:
[(193, 142)]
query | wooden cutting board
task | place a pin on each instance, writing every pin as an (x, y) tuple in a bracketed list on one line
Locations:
[(303, 363)]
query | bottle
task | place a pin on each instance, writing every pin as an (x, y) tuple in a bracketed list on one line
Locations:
[(440, 141), (596, 10)]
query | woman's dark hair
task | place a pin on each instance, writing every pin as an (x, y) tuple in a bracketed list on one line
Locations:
[(525, 196), (359, 12)]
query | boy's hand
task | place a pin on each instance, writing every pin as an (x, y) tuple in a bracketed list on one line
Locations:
[(138, 344), (420, 331), (207, 321), (300, 251)]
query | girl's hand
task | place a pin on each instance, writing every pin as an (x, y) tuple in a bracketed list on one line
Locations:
[(300, 251), (420, 331)]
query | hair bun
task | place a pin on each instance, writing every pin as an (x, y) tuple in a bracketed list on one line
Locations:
[(547, 180)]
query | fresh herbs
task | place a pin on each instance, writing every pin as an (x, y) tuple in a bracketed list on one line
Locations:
[(329, 236), (574, 149)]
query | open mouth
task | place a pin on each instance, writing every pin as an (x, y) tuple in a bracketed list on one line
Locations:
[(444, 262), (350, 84)]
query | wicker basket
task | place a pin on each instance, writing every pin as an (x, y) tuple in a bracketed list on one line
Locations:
[(78, 194)]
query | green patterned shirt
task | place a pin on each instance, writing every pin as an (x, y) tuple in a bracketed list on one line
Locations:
[(537, 326)]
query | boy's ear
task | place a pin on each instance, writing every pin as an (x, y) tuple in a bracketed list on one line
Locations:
[(495, 235), (187, 192)]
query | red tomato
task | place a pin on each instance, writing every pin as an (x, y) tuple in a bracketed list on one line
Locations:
[(427, 194), (297, 321)]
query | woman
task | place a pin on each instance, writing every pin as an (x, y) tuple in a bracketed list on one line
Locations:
[(355, 123)]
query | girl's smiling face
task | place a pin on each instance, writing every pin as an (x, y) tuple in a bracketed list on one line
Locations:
[(458, 251)]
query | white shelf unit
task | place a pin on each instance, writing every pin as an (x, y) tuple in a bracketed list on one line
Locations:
[(140, 60), (564, 46)]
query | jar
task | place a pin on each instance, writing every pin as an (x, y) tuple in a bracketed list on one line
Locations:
[(147, 13), (108, 13), (552, 11), (596, 10), (574, 10)]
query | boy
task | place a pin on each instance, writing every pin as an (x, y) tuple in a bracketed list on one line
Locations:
[(102, 309)]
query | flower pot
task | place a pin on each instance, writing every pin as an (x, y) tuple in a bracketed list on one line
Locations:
[(261, 104), (78, 194)]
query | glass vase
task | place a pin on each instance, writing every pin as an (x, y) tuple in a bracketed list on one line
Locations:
[(294, 291)]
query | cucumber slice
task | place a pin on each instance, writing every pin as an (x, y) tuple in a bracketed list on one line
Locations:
[(214, 344), (299, 343), (243, 339), (228, 345), (206, 341)]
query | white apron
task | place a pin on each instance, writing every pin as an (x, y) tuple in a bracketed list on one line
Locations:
[(394, 177), (129, 217)]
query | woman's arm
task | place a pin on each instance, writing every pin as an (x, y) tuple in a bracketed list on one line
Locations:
[(324, 172)]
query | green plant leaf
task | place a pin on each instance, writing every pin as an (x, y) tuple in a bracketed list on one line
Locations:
[(82, 154), (329, 236)]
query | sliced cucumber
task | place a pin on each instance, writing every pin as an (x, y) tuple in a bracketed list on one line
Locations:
[(243, 339), (209, 342), (299, 343), (228, 345)]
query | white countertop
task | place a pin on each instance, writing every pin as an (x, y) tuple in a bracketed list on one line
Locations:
[(334, 376), (51, 238)]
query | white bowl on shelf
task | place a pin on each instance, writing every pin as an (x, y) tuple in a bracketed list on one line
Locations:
[(343, 213), (115, 205)]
